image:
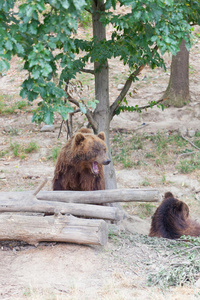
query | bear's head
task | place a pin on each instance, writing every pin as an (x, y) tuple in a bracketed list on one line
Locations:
[(179, 209), (90, 150)]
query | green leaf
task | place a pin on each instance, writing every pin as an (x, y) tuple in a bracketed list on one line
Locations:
[(23, 93), (40, 6), (33, 28), (46, 70), (4, 65), (65, 4), (31, 95), (64, 109), (82, 107), (19, 48), (154, 38), (169, 2), (29, 11), (36, 73), (59, 92), (8, 45), (52, 45), (48, 117), (79, 4), (92, 104)]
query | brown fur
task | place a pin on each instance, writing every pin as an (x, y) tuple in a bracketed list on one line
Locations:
[(80, 163), (171, 219)]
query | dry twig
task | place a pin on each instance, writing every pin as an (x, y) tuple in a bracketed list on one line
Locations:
[(183, 137)]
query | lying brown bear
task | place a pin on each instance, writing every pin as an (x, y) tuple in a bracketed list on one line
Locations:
[(80, 163), (171, 219)]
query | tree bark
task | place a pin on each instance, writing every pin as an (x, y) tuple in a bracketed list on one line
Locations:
[(177, 92), (34, 229), (102, 111)]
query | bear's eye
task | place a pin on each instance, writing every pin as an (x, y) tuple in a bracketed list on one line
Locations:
[(95, 150)]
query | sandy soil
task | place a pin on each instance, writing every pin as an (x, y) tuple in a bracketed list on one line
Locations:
[(120, 269)]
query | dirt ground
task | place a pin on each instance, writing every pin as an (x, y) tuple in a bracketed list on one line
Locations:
[(120, 269)]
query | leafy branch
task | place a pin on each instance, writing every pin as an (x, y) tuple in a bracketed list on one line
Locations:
[(140, 108), (179, 262), (115, 107)]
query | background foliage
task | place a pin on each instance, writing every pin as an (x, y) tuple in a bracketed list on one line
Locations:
[(43, 34)]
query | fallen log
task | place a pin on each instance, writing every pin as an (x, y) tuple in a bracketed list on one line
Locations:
[(93, 197), (59, 228), (27, 203)]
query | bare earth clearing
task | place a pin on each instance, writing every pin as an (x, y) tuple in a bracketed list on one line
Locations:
[(120, 269)]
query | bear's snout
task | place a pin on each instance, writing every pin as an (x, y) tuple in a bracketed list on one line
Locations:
[(106, 162)]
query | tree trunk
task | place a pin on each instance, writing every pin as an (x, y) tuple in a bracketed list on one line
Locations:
[(178, 89), (34, 229), (102, 111)]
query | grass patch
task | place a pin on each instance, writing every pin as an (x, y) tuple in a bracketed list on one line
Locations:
[(197, 142), (160, 141), (149, 155), (146, 182), (123, 147), (34, 293), (14, 131), (163, 180), (157, 150), (123, 157), (197, 134), (54, 153), (145, 210), (8, 105), (15, 147), (187, 166), (3, 153), (31, 147), (21, 151)]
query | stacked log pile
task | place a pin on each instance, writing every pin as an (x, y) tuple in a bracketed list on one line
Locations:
[(64, 216)]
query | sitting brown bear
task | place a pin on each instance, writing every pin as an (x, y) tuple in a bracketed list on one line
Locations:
[(80, 163), (171, 219)]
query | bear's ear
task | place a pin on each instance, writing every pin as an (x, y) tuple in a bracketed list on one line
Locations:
[(79, 137), (168, 195), (101, 135), (182, 210)]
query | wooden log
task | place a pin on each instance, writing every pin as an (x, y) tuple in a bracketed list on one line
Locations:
[(34, 229), (26, 203), (101, 197), (96, 197)]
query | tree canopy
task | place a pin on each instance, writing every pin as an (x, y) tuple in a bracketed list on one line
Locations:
[(43, 34)]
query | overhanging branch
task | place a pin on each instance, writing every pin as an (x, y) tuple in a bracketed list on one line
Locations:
[(126, 87), (124, 91), (140, 108), (149, 105), (88, 71)]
